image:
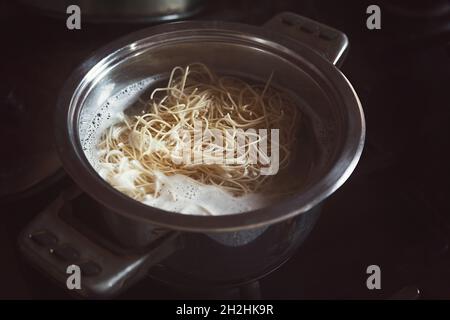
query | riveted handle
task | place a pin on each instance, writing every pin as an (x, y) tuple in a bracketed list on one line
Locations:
[(52, 244), (330, 43)]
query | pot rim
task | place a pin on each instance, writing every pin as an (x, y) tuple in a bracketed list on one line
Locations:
[(78, 167)]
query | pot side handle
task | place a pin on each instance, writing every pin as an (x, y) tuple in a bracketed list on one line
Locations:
[(330, 43), (52, 244)]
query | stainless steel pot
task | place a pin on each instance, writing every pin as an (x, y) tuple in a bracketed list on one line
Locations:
[(129, 11), (203, 250)]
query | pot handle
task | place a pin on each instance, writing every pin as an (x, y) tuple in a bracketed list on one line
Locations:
[(52, 244), (330, 43)]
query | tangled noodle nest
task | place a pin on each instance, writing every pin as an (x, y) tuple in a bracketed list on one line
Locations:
[(144, 144)]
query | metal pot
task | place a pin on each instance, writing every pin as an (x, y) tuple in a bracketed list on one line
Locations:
[(134, 11), (202, 250)]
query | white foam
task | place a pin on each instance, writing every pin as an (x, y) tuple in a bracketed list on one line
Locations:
[(179, 193), (110, 113)]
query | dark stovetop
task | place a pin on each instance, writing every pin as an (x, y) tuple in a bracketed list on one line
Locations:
[(393, 210)]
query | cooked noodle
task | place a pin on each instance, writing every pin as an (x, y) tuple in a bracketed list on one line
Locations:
[(144, 144)]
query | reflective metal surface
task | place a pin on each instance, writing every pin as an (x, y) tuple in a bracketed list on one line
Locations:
[(134, 11), (234, 48)]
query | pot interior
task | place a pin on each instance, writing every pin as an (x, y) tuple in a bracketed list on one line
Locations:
[(332, 128)]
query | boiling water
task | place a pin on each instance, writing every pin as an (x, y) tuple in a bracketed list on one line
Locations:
[(180, 193)]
